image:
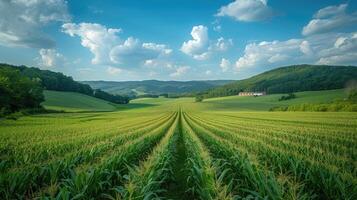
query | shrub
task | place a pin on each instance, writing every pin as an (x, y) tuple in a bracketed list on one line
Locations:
[(288, 97)]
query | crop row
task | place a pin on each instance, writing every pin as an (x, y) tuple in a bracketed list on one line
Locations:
[(289, 172), (50, 176)]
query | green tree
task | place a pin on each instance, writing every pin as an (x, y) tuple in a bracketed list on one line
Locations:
[(18, 92), (199, 98)]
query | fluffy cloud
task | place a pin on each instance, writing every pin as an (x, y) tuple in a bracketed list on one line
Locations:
[(132, 52), (223, 44), (21, 21), (50, 58), (199, 43), (322, 49), (257, 54), (225, 65), (108, 48), (179, 71), (97, 38), (331, 18), (344, 51), (201, 47), (247, 10)]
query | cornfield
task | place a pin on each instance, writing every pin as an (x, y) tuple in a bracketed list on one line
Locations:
[(179, 152)]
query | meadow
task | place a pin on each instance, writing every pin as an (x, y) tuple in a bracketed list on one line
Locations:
[(178, 149)]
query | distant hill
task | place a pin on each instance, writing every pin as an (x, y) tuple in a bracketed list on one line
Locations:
[(288, 79), (154, 87), (74, 102), (59, 82), (264, 103)]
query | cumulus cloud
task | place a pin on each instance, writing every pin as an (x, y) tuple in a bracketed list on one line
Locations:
[(22, 21), (132, 52), (305, 47), (201, 47), (223, 44), (199, 43), (50, 58), (336, 49), (247, 10), (97, 38), (331, 18), (256, 54), (108, 48), (225, 65), (179, 71), (344, 51)]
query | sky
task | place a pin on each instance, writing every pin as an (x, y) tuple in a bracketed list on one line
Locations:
[(121, 40)]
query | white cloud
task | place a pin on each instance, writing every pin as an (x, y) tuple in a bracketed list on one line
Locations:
[(305, 47), (50, 58), (225, 65), (113, 70), (223, 44), (22, 21), (201, 47), (133, 53), (332, 49), (97, 38), (257, 54), (343, 52), (203, 56), (330, 19), (247, 10), (199, 43), (179, 71), (208, 72), (108, 48)]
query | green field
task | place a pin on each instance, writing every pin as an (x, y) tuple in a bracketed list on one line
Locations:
[(177, 149), (74, 102), (264, 103)]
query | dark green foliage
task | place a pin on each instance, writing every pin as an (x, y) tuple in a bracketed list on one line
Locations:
[(352, 91), (288, 97), (338, 106), (164, 95), (109, 97), (199, 98), (60, 82), (291, 79), (352, 95), (18, 91), (147, 96)]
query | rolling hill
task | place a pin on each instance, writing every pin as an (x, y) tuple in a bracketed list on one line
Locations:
[(75, 102), (295, 78), (155, 87), (264, 103), (246, 103)]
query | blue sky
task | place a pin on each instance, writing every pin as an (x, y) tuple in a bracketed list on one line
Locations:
[(177, 39)]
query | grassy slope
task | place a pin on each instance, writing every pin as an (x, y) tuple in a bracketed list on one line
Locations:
[(269, 101), (237, 103), (294, 78), (75, 102)]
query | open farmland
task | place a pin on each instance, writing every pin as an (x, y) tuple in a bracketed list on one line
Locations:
[(175, 149)]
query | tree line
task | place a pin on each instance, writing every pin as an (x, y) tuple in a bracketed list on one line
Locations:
[(22, 87), (290, 79)]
